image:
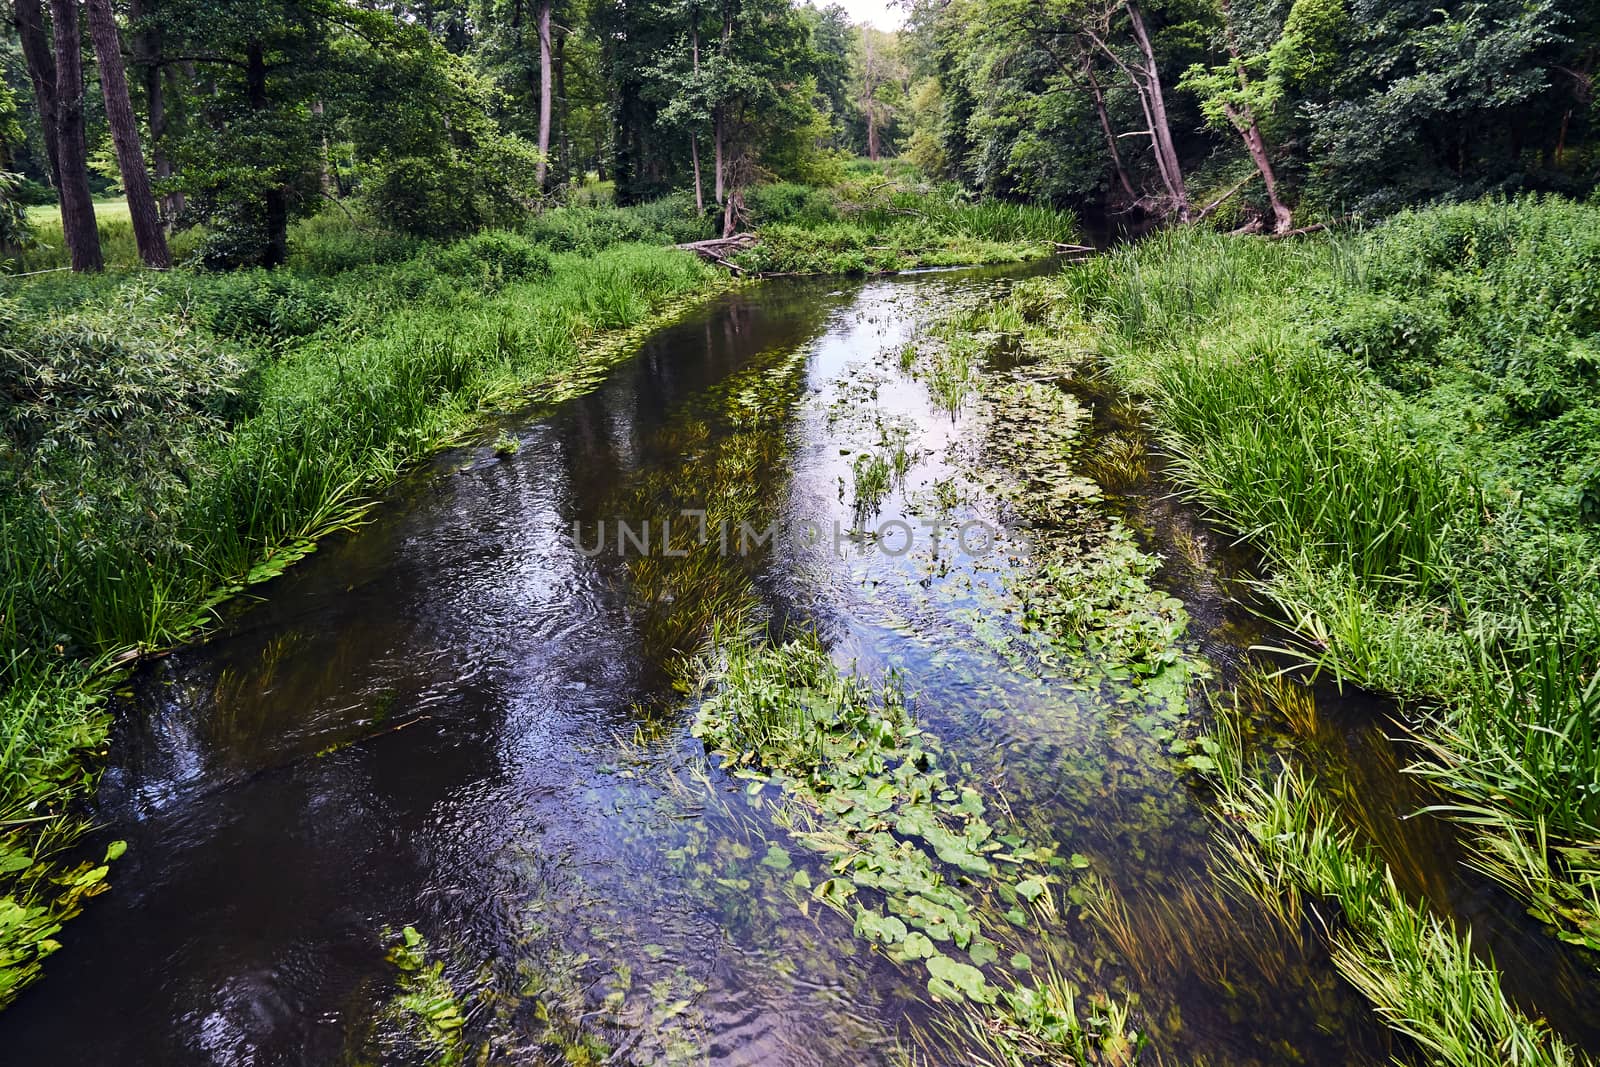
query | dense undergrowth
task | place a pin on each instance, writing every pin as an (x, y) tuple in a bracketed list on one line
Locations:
[(873, 223), (166, 439), (877, 219), (1406, 422)]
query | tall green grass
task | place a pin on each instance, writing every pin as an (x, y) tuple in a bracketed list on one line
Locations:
[(1406, 422), (1287, 847), (872, 223)]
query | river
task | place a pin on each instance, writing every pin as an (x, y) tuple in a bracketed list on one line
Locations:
[(468, 717)]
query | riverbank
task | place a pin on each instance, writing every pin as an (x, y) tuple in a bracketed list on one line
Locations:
[(171, 439), (1404, 422), (878, 219)]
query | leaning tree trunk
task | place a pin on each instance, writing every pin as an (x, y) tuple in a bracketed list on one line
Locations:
[(544, 94), (1156, 105), (1105, 128), (36, 53), (1245, 122), (77, 206), (147, 232)]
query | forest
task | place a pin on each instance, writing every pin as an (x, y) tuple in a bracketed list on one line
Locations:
[(982, 532)]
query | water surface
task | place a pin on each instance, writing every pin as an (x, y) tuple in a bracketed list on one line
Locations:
[(463, 718)]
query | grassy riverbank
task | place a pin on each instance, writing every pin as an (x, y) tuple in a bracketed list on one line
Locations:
[(168, 439), (1406, 423), (875, 223)]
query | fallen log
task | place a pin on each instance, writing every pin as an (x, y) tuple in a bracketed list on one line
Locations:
[(1318, 228), (720, 248)]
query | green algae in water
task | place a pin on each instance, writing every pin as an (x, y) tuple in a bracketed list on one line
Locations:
[(916, 860)]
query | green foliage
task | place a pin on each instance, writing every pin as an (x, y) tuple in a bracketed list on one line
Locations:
[(15, 231), (264, 306), (495, 259), (1421, 975), (869, 226), (918, 863), (791, 203), (1405, 422), (1366, 106), (669, 220), (42, 897), (441, 166)]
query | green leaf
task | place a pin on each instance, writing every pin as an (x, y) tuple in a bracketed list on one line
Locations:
[(945, 973), (1031, 888)]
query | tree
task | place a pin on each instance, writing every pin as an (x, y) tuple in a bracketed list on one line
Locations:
[(78, 226), (1239, 95), (685, 86), (544, 91), (39, 57), (14, 229), (832, 43), (759, 86), (147, 231), (879, 84)]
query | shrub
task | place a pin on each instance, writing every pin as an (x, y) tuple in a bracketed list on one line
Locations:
[(332, 243), (494, 259), (269, 306), (787, 202), (422, 196)]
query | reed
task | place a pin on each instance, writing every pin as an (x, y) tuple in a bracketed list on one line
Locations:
[(1395, 420)]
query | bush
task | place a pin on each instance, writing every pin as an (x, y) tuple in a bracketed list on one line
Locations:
[(787, 202), (267, 306), (422, 196), (669, 220), (495, 258), (838, 248), (332, 243)]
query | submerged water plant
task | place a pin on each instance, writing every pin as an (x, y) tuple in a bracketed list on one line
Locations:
[(915, 859)]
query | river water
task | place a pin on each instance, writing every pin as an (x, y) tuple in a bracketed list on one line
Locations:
[(469, 717)]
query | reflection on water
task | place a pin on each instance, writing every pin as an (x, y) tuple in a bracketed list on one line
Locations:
[(457, 718)]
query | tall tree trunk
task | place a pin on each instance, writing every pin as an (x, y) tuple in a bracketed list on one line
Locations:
[(36, 53), (872, 132), (147, 232), (718, 117), (275, 202), (1105, 127), (694, 138), (77, 206), (694, 158), (563, 114), (1156, 106), (147, 61), (544, 94), (716, 134)]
